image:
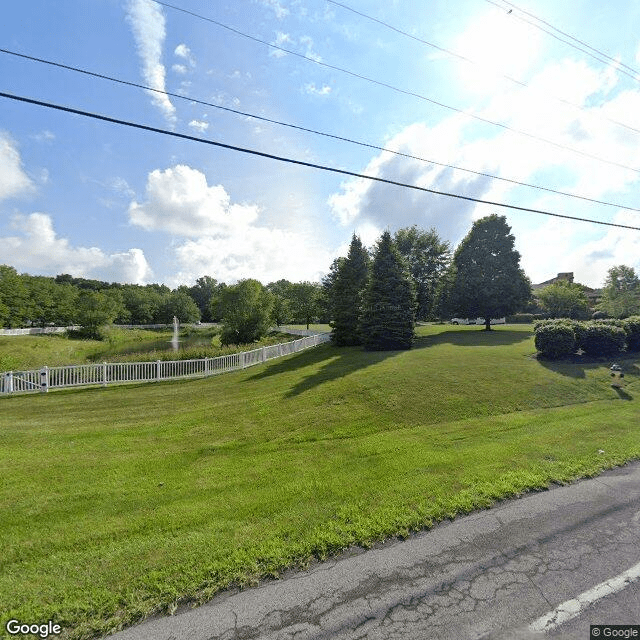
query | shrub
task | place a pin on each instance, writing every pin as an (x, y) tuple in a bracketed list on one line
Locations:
[(601, 339), (555, 339), (554, 322), (520, 318), (599, 315), (632, 328), (580, 328)]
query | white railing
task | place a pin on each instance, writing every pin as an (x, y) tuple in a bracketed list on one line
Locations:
[(105, 373)]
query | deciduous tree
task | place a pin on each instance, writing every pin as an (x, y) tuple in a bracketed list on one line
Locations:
[(486, 278), (621, 292), (564, 299), (246, 312), (428, 257)]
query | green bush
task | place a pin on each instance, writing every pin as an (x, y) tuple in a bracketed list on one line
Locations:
[(554, 322), (632, 328), (601, 339), (599, 315), (555, 340)]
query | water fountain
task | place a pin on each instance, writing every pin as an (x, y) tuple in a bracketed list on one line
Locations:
[(174, 340)]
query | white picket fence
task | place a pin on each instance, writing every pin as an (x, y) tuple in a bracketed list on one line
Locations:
[(126, 372)]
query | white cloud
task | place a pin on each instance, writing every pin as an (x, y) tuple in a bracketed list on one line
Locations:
[(13, 179), (307, 41), (546, 247), (280, 10), (199, 125), (222, 238), (182, 51), (44, 136), (253, 252), (550, 249), (37, 248), (387, 206), (180, 201), (179, 68), (281, 40), (148, 26), (311, 89)]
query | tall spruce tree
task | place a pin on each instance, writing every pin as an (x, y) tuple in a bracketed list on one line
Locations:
[(347, 294), (486, 278), (389, 301)]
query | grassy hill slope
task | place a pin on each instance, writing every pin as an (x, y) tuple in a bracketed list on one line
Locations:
[(128, 500)]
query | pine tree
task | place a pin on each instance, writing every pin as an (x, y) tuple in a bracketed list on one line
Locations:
[(347, 292), (389, 301), (486, 278)]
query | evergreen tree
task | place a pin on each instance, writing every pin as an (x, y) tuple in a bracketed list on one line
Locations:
[(347, 293), (486, 278), (389, 301), (327, 291)]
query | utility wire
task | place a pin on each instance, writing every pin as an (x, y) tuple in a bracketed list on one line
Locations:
[(397, 89), (520, 83), (135, 125), (617, 62), (599, 58), (308, 130)]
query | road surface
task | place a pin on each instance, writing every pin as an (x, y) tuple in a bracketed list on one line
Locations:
[(543, 566)]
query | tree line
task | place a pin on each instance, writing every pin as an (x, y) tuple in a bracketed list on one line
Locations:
[(64, 300), (370, 297)]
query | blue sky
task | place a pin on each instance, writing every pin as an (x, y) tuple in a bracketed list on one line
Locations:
[(102, 201)]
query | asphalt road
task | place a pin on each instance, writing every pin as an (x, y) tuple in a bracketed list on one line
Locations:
[(543, 566)]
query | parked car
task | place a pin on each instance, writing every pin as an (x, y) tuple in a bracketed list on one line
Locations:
[(477, 321)]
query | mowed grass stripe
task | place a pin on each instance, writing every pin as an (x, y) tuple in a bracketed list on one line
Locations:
[(119, 502)]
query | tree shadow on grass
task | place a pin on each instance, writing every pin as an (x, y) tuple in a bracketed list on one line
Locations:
[(335, 362), (338, 362), (474, 337), (576, 366), (622, 394)]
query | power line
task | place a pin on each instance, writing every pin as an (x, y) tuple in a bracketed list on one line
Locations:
[(397, 89), (633, 76), (308, 130), (617, 62), (312, 165), (454, 54)]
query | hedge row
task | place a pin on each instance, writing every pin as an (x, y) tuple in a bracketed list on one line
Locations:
[(564, 337)]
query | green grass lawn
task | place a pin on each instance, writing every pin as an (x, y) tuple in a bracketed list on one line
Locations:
[(124, 501)]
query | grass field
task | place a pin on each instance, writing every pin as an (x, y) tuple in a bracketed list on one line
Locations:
[(121, 502), (32, 352)]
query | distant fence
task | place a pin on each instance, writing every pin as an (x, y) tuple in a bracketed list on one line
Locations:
[(41, 380)]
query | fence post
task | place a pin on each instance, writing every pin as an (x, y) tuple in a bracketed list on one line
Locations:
[(242, 360), (104, 374), (44, 379), (157, 370), (8, 382), (206, 366), (263, 353)]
